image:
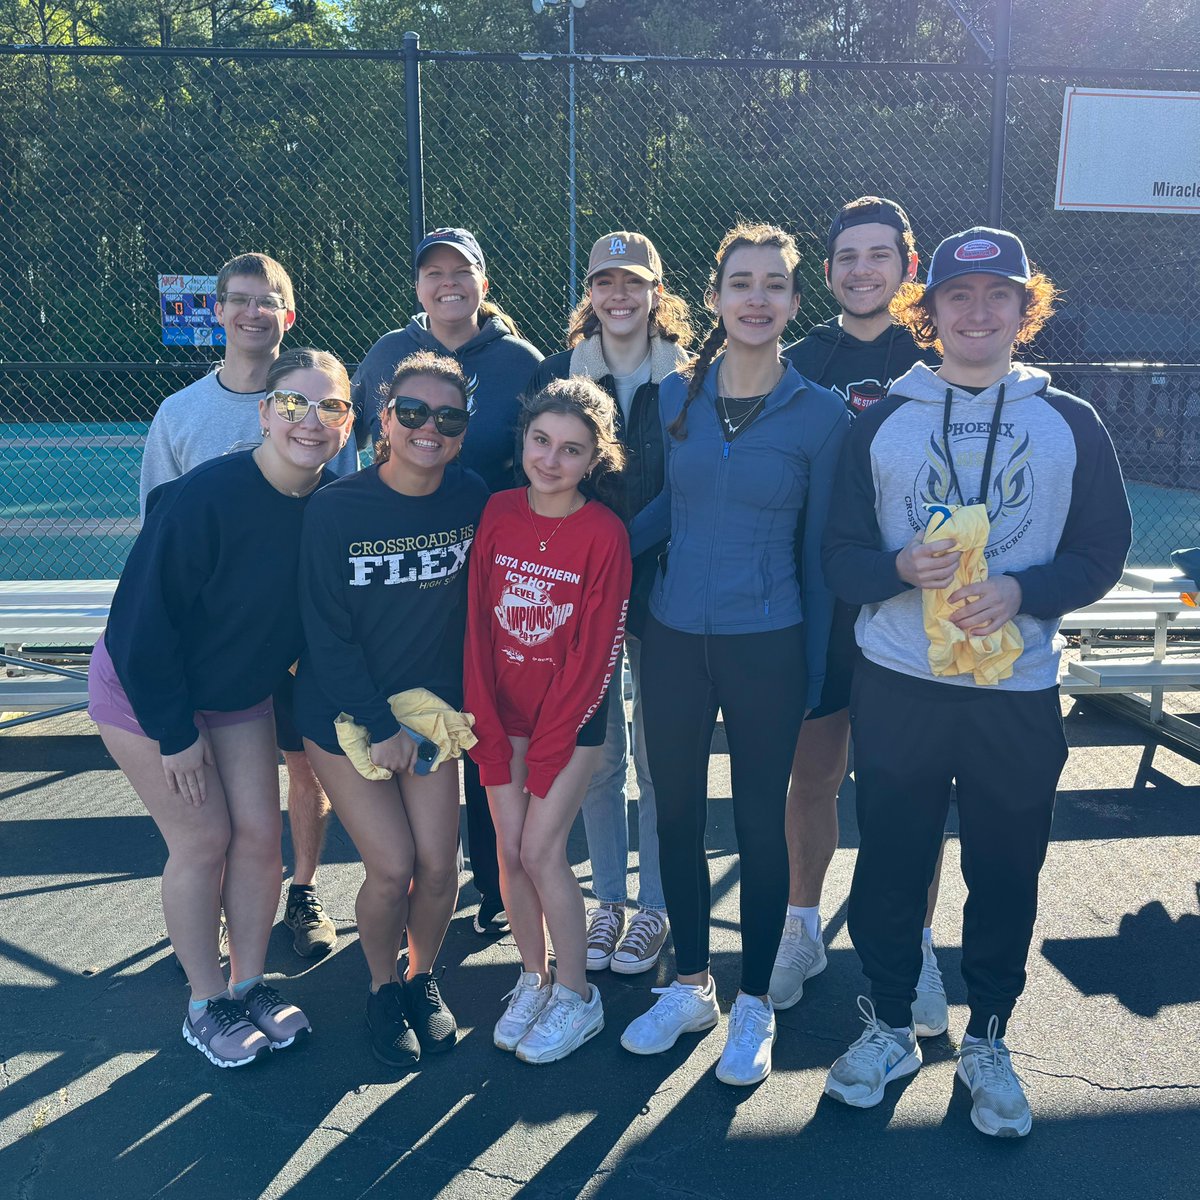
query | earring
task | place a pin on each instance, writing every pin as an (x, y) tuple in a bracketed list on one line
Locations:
[(266, 432)]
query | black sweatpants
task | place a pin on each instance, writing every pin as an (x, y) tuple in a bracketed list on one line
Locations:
[(481, 833), (1005, 752), (758, 681)]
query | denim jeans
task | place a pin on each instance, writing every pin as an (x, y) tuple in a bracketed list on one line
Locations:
[(605, 817)]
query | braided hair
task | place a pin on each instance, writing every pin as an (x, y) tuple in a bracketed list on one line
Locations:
[(742, 234)]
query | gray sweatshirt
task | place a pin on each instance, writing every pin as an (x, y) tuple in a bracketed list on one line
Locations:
[(206, 420), (1060, 523)]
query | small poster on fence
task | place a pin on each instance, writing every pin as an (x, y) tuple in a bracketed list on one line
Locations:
[(1129, 151), (187, 303)]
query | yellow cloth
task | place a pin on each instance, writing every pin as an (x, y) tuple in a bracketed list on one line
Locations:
[(419, 709), (951, 651)]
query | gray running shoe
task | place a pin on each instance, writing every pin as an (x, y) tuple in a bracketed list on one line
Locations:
[(280, 1022), (314, 934), (225, 1035)]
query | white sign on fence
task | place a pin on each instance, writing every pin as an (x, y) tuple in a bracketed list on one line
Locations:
[(1129, 151)]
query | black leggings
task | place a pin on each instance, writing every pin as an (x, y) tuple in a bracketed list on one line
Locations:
[(758, 681)]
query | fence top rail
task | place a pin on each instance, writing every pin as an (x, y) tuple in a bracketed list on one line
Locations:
[(397, 53)]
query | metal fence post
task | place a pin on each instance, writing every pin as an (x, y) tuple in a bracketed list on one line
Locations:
[(995, 188), (412, 141)]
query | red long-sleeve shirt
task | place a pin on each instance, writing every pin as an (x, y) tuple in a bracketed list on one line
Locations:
[(544, 631)]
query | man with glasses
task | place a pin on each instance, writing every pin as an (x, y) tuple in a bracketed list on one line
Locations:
[(216, 415)]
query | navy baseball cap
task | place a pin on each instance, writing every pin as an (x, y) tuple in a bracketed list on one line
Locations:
[(867, 210), (463, 240), (979, 251)]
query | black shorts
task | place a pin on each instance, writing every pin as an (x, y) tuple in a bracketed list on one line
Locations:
[(840, 661), (595, 729), (287, 736)]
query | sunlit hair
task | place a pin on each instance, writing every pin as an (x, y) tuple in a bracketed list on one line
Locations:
[(581, 397), (670, 318), (305, 358), (424, 364), (739, 236), (912, 307), (258, 266)]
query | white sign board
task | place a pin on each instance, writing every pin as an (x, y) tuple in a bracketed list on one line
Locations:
[(1129, 151)]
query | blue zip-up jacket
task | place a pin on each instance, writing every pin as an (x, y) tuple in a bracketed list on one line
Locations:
[(732, 510)]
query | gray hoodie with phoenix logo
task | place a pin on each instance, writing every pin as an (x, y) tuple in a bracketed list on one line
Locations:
[(1060, 521)]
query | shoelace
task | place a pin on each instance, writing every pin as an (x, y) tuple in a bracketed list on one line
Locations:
[(604, 927), (430, 992), (556, 1014), (673, 998), (750, 1024), (308, 909), (930, 979), (643, 929), (994, 1061), (795, 948), (264, 996), (874, 1043), (522, 1000), (226, 1013)]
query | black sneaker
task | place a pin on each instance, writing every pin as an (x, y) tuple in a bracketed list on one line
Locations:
[(392, 1038), (491, 919), (433, 1022), (314, 934)]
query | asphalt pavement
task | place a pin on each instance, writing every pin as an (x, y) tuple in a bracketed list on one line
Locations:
[(100, 1096)]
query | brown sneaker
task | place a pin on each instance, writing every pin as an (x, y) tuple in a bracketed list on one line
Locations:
[(605, 926), (314, 934), (642, 944)]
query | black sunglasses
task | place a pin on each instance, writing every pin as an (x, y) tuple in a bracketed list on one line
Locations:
[(413, 413)]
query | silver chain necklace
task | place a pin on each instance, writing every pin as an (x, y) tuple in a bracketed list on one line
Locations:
[(543, 543)]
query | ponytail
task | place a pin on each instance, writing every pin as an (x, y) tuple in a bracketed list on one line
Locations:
[(699, 369), (488, 310)]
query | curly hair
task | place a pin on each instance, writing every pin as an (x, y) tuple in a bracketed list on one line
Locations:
[(670, 319), (424, 364), (742, 234), (912, 307), (580, 397)]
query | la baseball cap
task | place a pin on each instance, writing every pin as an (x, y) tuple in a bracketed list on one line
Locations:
[(867, 210), (979, 251), (630, 251), (462, 240)]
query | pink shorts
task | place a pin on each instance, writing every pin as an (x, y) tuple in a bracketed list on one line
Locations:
[(109, 705)]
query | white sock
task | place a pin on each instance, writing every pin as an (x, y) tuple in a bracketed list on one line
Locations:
[(811, 918), (927, 936)]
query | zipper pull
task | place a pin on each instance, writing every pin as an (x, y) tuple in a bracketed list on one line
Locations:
[(725, 452)]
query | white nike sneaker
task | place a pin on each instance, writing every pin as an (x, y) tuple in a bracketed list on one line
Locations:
[(878, 1058), (679, 1009), (566, 1022), (746, 1059), (998, 1104), (797, 960)]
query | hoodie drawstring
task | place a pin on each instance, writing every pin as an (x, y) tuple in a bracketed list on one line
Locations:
[(993, 433)]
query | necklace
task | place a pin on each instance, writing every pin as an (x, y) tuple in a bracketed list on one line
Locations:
[(543, 542), (734, 426)]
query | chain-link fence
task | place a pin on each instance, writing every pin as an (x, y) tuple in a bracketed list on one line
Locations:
[(119, 166)]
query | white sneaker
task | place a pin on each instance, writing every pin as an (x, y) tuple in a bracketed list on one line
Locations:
[(746, 1058), (797, 960), (639, 949), (525, 1004), (871, 1063), (998, 1104), (605, 926), (678, 1009), (931, 1017), (564, 1025)]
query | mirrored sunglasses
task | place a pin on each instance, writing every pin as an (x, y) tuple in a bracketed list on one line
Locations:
[(294, 406), (413, 413)]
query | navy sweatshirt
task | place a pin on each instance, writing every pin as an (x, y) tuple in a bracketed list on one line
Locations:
[(732, 510), (383, 595), (205, 615), (497, 366), (860, 372), (1060, 523)]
